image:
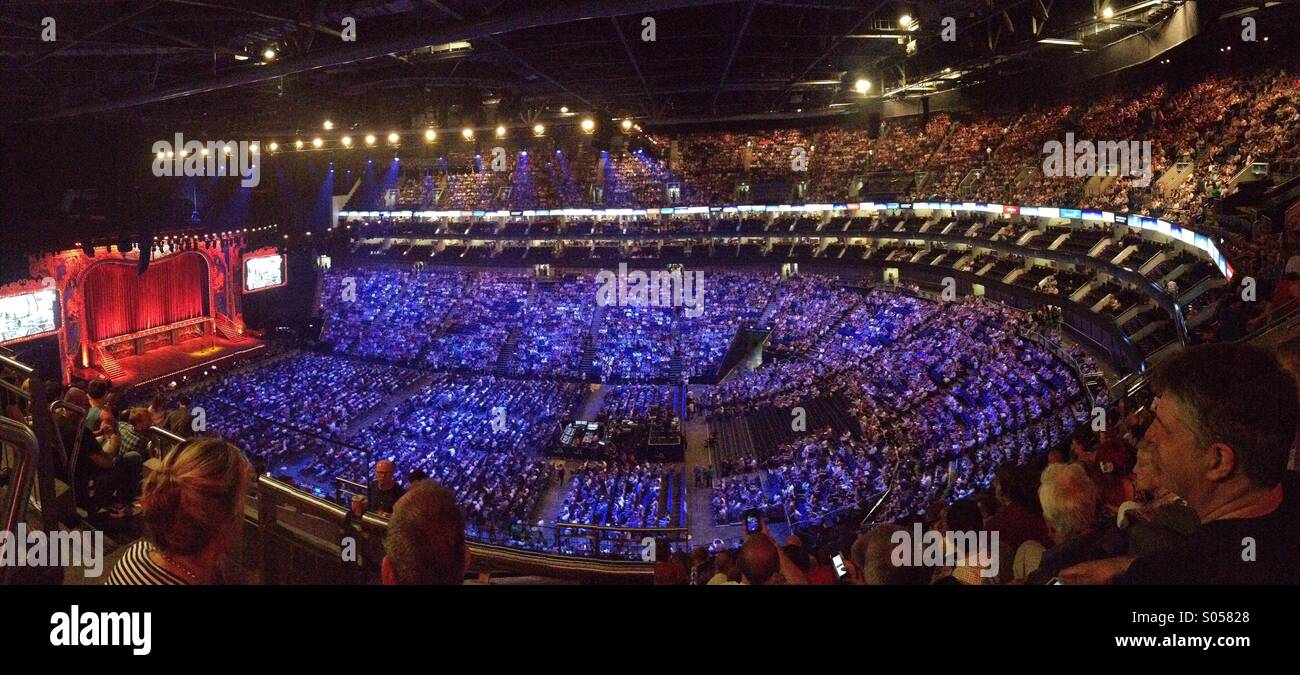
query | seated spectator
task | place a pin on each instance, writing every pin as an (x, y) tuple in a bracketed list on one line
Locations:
[(1225, 423), (1161, 518), (157, 410), (1016, 521), (763, 563), (193, 511), (178, 421), (727, 573), (961, 517), (123, 447), (383, 492), (760, 560), (98, 391), (1071, 506), (68, 422), (80, 447), (425, 544)]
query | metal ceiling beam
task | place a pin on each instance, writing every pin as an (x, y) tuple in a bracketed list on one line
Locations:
[(72, 43), (509, 53), (735, 48), (314, 25), (528, 17), (627, 47), (834, 44)]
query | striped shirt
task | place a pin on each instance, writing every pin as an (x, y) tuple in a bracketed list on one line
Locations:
[(135, 568)]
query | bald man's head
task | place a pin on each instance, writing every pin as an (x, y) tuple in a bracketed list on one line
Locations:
[(759, 560), (385, 473)]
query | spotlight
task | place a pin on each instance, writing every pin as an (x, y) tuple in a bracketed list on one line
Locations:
[(170, 154), (430, 135), (204, 151), (317, 142), (268, 55), (297, 145), (328, 125), (588, 125), (862, 86), (564, 110), (275, 146), (627, 125), (906, 22), (253, 147), (467, 133), (225, 150), (346, 141), (370, 139), (538, 130), (1107, 12), (161, 154), (501, 131), (393, 137)]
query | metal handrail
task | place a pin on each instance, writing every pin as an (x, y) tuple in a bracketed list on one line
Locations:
[(23, 440), (166, 435), (70, 458), (1060, 353), (1285, 314), (42, 427), (893, 482)]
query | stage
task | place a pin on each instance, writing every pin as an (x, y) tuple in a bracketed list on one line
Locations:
[(173, 362)]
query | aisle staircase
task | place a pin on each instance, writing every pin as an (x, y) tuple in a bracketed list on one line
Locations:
[(507, 350), (227, 329), (589, 340), (109, 364)]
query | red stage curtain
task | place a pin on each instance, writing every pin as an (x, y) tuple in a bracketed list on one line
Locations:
[(119, 301)]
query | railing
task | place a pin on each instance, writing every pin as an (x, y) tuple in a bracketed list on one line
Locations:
[(346, 488), (1059, 352), (42, 427), (290, 523), (1282, 318), (893, 482), (23, 441)]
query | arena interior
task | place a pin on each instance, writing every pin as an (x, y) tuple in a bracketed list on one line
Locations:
[(673, 292)]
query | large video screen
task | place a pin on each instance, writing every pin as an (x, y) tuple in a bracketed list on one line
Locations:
[(27, 315), (263, 272)]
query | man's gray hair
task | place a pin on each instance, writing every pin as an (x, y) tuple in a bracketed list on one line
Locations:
[(1069, 499)]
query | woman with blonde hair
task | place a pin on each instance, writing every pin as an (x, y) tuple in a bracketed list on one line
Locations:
[(192, 508)]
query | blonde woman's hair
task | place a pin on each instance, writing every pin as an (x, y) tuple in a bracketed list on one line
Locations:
[(195, 496)]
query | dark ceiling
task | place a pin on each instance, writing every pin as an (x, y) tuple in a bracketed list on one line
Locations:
[(183, 61)]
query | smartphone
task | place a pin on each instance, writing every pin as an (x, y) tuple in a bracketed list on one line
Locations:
[(838, 561), (753, 520)]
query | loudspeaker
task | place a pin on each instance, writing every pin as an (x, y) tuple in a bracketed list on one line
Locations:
[(869, 117), (146, 251), (604, 133)]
